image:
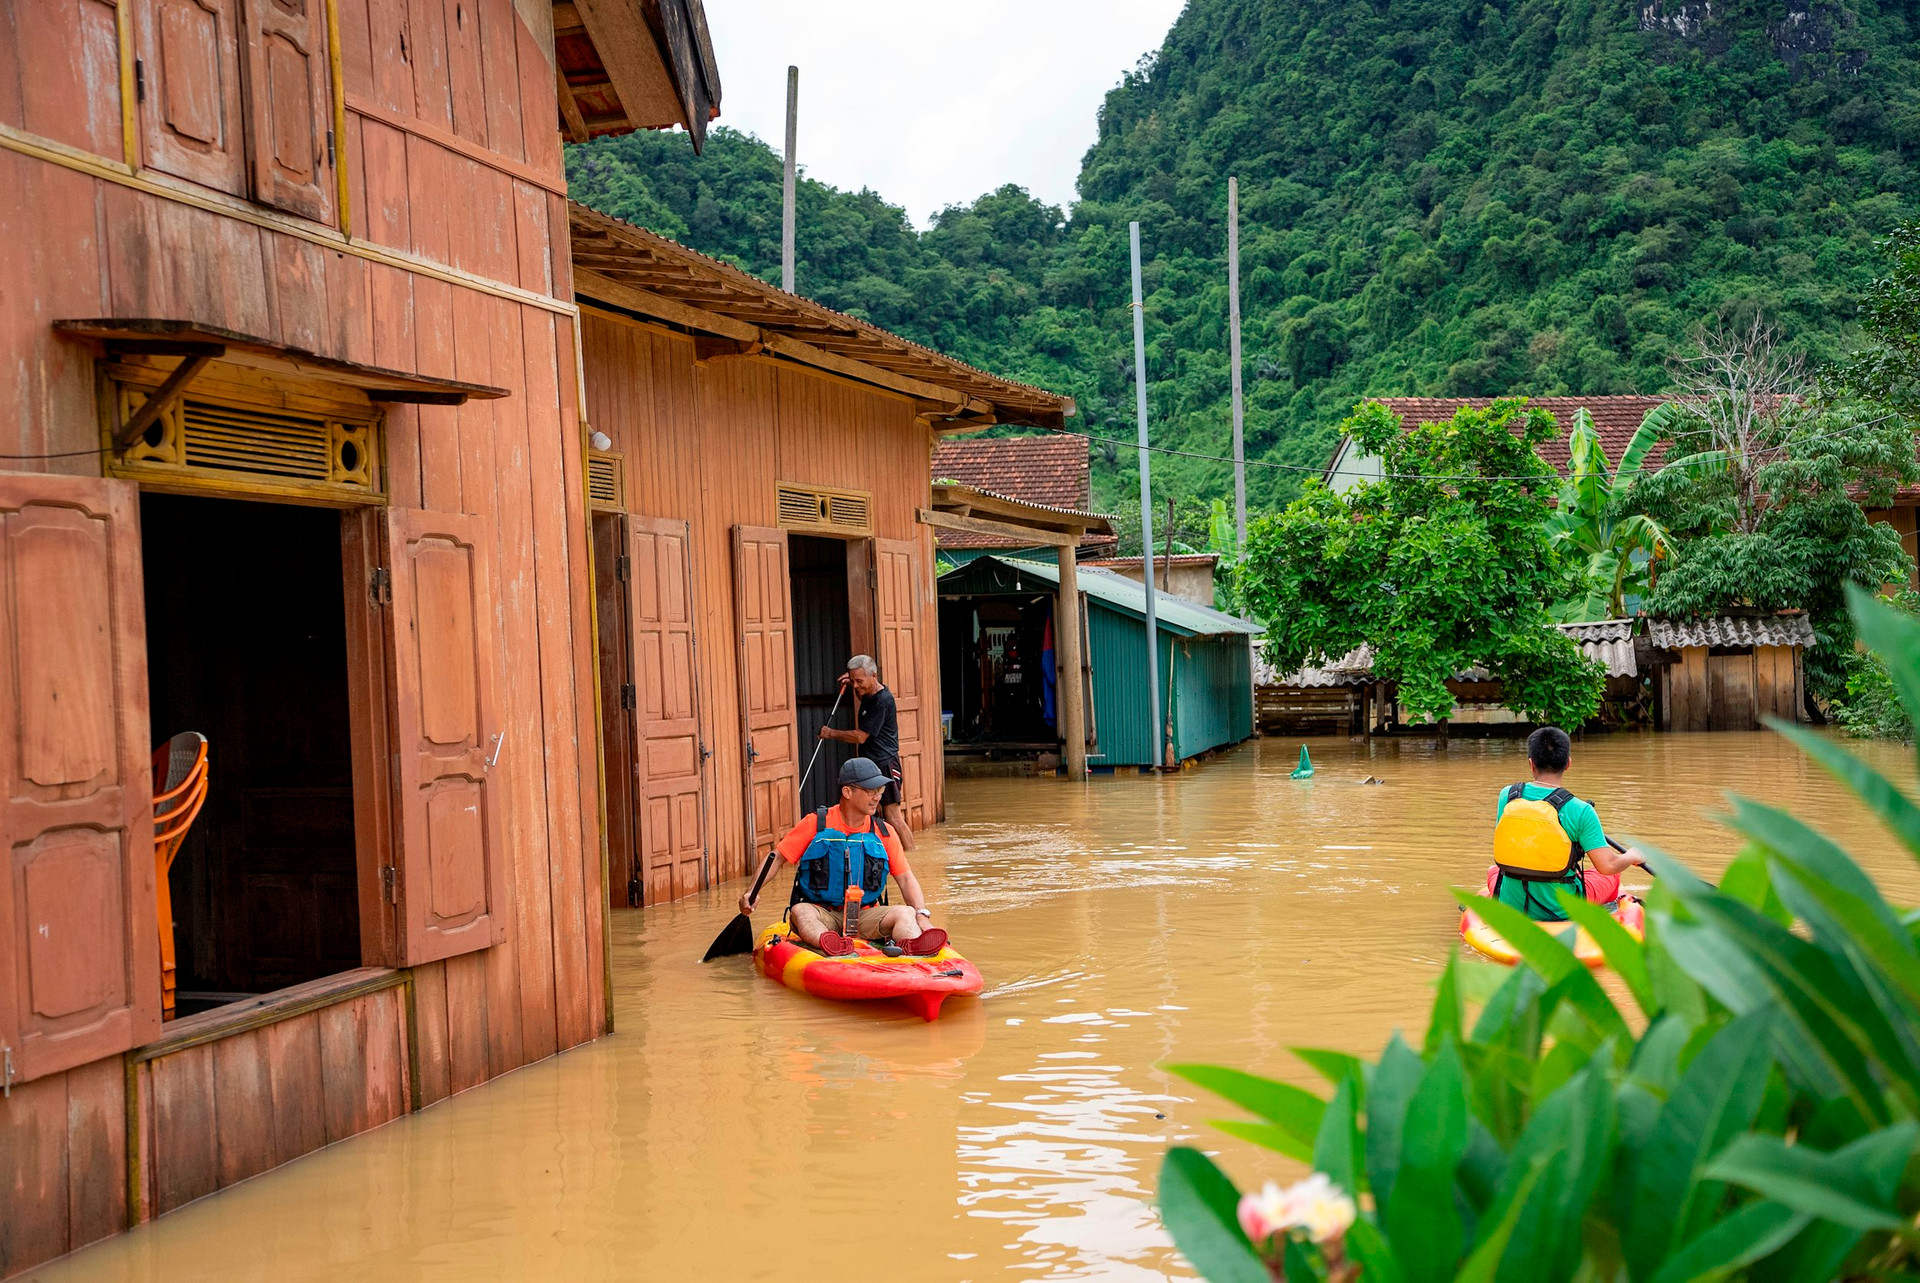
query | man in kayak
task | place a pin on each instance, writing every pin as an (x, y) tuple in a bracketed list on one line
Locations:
[(849, 845), (1542, 832)]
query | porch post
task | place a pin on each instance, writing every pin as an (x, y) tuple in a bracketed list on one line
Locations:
[(1066, 661)]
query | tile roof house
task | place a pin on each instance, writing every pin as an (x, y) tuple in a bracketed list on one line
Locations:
[(1051, 470), (1615, 418)]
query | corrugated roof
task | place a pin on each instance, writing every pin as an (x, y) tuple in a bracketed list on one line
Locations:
[(1732, 630), (1174, 614), (1208, 559), (1615, 418), (1610, 641)]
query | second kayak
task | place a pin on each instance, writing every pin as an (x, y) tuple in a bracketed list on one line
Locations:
[(866, 973), (1487, 942)]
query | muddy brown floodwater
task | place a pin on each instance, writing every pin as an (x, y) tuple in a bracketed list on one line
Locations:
[(732, 1128)]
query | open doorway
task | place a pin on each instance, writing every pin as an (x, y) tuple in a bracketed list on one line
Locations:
[(247, 644), (995, 671), (822, 644)]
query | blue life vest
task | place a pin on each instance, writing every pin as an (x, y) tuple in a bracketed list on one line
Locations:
[(835, 860)]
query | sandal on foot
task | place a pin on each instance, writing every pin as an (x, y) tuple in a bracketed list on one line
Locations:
[(835, 945), (926, 944)]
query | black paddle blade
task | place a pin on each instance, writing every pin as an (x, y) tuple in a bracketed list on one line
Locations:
[(734, 939)]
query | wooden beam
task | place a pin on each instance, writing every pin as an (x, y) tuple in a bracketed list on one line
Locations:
[(576, 124), (595, 286), (159, 401), (710, 348), (999, 529), (808, 354)]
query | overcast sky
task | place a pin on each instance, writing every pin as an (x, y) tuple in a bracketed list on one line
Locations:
[(932, 102)]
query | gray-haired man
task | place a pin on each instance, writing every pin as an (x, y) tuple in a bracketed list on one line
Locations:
[(875, 736)]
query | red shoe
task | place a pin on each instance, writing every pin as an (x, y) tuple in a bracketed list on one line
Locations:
[(835, 945), (926, 944)]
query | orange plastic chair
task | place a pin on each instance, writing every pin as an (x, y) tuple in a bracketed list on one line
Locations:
[(179, 789)]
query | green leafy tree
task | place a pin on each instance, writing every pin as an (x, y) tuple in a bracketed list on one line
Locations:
[(1756, 1121), (1778, 523), (1887, 370), (1442, 565)]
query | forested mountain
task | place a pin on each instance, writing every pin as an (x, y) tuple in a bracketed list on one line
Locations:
[(1437, 197)]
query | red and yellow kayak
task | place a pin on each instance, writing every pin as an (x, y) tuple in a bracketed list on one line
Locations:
[(866, 973), (1487, 942)]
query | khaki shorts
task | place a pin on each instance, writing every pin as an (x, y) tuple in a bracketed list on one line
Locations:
[(829, 919)]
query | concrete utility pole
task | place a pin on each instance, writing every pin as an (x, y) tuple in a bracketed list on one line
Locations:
[(1146, 499), (786, 191), (1233, 330)]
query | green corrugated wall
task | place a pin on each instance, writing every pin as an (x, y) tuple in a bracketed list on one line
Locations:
[(1212, 680)]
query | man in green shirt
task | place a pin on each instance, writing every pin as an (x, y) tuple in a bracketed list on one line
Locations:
[(1549, 751)]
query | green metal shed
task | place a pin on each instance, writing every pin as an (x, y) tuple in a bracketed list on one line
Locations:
[(1206, 657)]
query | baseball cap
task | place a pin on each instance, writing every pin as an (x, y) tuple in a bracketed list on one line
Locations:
[(863, 773)]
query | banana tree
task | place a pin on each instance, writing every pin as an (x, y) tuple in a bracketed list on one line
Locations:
[(1615, 553)]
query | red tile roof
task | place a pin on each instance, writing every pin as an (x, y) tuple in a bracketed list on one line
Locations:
[(1615, 418), (1049, 470)]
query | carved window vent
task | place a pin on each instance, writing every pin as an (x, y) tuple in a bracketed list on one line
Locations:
[(605, 488), (841, 512), (233, 446)]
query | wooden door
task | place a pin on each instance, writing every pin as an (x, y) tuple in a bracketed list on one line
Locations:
[(901, 613), (188, 73), (763, 611), (453, 865), (670, 750), (616, 718), (79, 945), (289, 105), (1730, 693)]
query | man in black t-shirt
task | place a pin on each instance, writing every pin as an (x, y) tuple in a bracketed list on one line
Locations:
[(876, 736)]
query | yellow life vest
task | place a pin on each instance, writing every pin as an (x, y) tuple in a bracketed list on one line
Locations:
[(1528, 842)]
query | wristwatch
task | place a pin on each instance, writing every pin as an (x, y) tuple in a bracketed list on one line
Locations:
[(925, 913)]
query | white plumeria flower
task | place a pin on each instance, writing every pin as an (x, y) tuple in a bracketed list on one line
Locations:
[(1315, 1205)]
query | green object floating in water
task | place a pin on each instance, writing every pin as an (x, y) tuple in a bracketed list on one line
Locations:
[(1304, 771)]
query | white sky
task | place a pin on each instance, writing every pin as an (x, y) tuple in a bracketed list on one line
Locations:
[(932, 102)]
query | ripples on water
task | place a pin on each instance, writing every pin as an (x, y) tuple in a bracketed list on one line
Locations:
[(734, 1128)]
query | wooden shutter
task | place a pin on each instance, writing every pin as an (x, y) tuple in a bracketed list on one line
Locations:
[(763, 608), (453, 883), (901, 614), (80, 971), (189, 85), (289, 105), (670, 779)]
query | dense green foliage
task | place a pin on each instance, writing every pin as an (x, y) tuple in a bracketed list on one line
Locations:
[(1803, 543), (1887, 370), (1759, 1125), (1609, 551), (1525, 196), (1442, 565)]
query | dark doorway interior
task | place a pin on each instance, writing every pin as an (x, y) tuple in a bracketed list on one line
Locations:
[(247, 644), (992, 651), (822, 644), (617, 696)]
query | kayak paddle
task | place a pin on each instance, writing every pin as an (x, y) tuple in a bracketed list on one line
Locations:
[(736, 937)]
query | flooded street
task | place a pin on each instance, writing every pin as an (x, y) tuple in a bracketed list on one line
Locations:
[(732, 1127)]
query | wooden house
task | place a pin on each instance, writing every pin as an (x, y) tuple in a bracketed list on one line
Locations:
[(294, 461), (1048, 471), (762, 513), (1728, 672)]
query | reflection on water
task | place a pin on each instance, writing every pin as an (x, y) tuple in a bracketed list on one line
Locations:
[(732, 1126)]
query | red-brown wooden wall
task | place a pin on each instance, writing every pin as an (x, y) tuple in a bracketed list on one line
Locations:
[(705, 443), (453, 164)]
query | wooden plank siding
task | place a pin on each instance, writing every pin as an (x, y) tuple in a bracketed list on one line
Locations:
[(705, 443), (455, 266)]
